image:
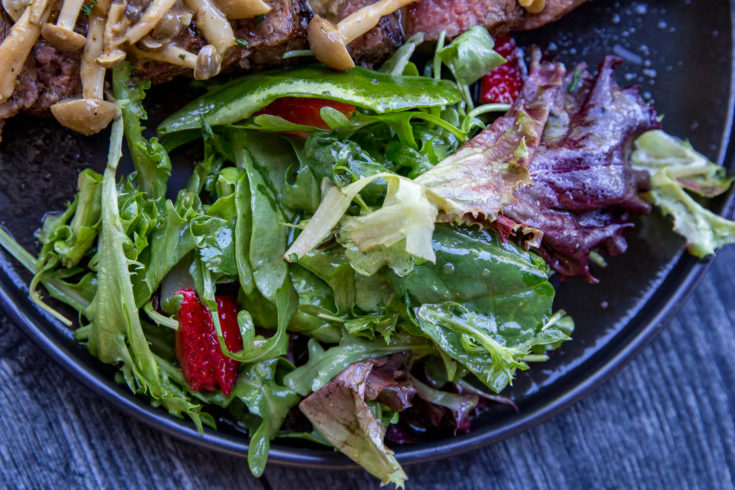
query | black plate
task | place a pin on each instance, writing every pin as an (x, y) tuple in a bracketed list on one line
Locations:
[(680, 52)]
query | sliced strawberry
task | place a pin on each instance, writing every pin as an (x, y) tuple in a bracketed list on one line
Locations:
[(503, 84), (203, 364)]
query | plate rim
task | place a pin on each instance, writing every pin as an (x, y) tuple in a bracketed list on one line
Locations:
[(687, 270)]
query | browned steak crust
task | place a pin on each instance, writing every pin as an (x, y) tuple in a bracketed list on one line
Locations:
[(51, 75), (456, 16)]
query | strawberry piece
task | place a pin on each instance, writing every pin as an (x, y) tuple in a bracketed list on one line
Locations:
[(503, 84), (202, 362), (305, 110)]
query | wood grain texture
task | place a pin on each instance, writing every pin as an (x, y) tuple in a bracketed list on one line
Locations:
[(666, 421)]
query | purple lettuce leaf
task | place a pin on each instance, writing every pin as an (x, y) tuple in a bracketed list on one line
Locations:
[(583, 188)]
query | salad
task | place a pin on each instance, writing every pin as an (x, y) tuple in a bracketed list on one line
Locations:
[(361, 258)]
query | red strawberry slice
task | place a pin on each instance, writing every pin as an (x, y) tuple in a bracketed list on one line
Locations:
[(203, 364), (503, 84)]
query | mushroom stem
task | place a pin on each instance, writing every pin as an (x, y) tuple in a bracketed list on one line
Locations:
[(329, 41), (90, 114), (92, 73), (242, 9), (114, 27), (154, 13), (361, 21), (213, 24), (15, 49), (61, 35), (205, 64)]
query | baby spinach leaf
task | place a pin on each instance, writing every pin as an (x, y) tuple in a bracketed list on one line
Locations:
[(378, 92)]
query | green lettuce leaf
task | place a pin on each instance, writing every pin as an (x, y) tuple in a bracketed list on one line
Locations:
[(150, 158), (257, 387), (115, 333), (675, 168), (471, 55)]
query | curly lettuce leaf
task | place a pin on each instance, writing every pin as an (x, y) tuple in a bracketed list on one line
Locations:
[(115, 334), (150, 158), (675, 168)]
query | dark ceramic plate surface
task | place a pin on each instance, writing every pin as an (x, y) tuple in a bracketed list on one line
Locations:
[(679, 51)]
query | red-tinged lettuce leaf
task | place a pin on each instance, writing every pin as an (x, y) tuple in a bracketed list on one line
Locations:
[(479, 179), (474, 184), (339, 411), (583, 187)]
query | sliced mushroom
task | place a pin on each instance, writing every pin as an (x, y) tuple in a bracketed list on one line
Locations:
[(533, 6), (115, 27), (329, 41), (213, 24), (242, 9), (17, 46), (152, 15), (61, 35), (90, 114), (206, 64)]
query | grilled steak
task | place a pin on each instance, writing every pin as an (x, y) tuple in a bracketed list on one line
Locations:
[(50, 75), (456, 16)]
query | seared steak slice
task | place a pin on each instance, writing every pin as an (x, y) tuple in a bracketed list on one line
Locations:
[(48, 76), (283, 29), (456, 16), (51, 75), (375, 46)]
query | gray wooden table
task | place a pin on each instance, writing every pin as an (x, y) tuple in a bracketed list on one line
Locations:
[(666, 421)]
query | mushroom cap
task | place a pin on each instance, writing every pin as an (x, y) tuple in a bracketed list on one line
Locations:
[(86, 116), (328, 45), (208, 63), (62, 38), (111, 59)]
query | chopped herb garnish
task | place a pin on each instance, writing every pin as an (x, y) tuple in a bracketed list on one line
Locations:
[(242, 43), (576, 78), (259, 18), (87, 9), (182, 56)]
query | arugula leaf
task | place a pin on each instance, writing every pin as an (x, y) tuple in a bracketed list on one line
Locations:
[(397, 63), (675, 168), (485, 303)]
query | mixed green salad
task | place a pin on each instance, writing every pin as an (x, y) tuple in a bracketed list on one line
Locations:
[(377, 267)]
